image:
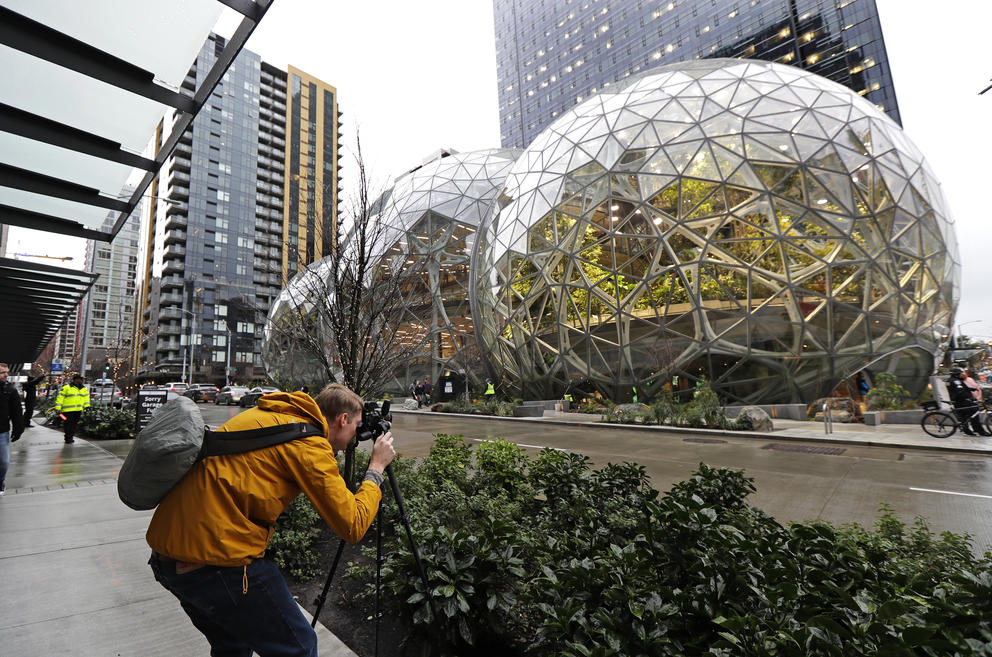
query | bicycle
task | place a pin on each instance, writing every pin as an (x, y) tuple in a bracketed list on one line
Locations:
[(942, 424)]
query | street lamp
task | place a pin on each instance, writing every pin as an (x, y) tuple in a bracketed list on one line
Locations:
[(957, 339)]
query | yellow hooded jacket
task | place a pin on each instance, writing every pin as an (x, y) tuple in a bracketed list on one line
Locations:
[(223, 512)]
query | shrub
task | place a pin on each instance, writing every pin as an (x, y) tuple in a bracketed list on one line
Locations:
[(887, 395), (99, 422), (293, 544), (595, 562)]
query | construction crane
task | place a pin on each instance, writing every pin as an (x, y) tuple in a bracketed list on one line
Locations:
[(31, 255)]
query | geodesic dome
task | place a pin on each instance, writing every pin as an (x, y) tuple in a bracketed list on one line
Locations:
[(430, 217), (738, 220), (296, 347)]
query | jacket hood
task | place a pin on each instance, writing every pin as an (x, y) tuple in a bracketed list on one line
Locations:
[(294, 403)]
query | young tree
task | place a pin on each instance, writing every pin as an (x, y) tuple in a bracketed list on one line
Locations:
[(344, 318)]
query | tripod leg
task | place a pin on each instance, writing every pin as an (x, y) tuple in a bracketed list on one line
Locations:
[(327, 584), (409, 534), (378, 578)]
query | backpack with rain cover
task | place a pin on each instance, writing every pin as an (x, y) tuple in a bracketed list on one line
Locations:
[(176, 439)]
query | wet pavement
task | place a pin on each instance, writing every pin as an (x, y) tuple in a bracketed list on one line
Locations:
[(74, 561), (74, 558)]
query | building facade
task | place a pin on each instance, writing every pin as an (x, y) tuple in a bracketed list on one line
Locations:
[(553, 54), (109, 307), (249, 194)]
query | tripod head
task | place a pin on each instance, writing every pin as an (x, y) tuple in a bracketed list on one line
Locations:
[(375, 421)]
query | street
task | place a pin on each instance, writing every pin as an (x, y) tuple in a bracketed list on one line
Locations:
[(795, 481)]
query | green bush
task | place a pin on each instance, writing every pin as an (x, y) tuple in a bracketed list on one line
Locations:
[(887, 395), (704, 410), (489, 407), (550, 555), (293, 543), (99, 422)]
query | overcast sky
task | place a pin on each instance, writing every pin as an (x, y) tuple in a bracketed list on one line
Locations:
[(416, 77)]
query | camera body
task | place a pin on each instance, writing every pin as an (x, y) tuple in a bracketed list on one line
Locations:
[(375, 422)]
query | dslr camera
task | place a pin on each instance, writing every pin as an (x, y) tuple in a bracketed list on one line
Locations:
[(375, 422)]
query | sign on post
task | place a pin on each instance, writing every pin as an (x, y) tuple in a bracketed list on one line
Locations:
[(149, 401)]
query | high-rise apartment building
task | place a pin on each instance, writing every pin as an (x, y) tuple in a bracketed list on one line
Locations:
[(247, 199), (551, 54), (109, 306), (67, 341)]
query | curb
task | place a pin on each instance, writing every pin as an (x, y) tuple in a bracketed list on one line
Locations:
[(827, 438)]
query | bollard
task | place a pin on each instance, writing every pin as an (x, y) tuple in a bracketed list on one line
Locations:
[(828, 420)]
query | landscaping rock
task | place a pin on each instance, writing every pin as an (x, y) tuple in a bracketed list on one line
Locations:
[(760, 420), (409, 405), (843, 409)]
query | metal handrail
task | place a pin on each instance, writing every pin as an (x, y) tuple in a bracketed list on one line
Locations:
[(828, 419)]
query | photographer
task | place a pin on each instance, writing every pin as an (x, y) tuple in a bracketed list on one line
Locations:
[(208, 535)]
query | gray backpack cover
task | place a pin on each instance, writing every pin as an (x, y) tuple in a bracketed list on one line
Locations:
[(163, 452)]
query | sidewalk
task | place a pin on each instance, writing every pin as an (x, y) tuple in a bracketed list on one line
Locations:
[(74, 562), (904, 436), (73, 557)]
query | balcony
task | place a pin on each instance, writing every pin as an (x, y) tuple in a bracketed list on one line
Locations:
[(171, 282), (170, 329), (175, 236), (177, 207), (175, 221), (174, 251), (169, 299), (170, 313), (173, 267)]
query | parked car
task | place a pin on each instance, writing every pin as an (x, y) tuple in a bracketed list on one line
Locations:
[(104, 393), (251, 397), (202, 392), (230, 395)]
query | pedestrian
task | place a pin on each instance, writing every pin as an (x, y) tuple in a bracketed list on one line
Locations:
[(976, 390), (11, 421), (419, 393), (861, 383), (72, 399), (210, 532), (413, 392), (427, 391), (964, 404), (490, 393), (30, 388)]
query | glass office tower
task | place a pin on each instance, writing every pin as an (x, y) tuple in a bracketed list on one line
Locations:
[(552, 54), (248, 195)]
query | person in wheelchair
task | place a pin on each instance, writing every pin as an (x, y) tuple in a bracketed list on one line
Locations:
[(965, 404)]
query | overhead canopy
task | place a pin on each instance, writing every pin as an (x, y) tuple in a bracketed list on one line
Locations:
[(83, 88), (35, 300)]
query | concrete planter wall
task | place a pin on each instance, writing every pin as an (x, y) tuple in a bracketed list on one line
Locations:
[(529, 411), (912, 416)]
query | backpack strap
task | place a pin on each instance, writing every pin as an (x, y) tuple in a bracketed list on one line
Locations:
[(216, 443)]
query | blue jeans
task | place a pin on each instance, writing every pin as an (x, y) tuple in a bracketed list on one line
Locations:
[(266, 619), (4, 454)]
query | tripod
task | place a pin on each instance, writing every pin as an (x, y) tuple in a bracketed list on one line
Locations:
[(319, 602)]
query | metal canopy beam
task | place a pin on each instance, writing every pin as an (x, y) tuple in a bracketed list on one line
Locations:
[(34, 38), (38, 298), (39, 128), (31, 181)]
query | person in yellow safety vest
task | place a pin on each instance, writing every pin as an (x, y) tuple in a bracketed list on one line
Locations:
[(568, 399), (490, 390), (72, 399)]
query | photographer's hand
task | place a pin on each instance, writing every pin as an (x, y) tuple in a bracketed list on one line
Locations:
[(383, 453)]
